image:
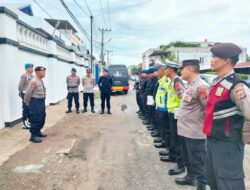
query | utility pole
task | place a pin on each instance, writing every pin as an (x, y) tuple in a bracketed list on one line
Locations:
[(102, 44), (108, 53), (91, 42)]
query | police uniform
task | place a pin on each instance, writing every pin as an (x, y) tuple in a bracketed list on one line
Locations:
[(23, 84), (226, 125), (190, 123), (105, 84), (88, 92), (73, 82), (175, 92), (35, 99), (162, 112)]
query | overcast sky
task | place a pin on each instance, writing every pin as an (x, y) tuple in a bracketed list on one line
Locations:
[(141, 24)]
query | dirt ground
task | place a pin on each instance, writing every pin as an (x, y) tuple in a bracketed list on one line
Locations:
[(87, 152)]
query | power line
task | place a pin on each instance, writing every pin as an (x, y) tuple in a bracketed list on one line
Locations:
[(124, 8), (81, 8), (75, 20), (42, 9), (87, 7), (104, 22), (108, 12)]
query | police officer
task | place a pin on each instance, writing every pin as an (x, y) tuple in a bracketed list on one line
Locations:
[(137, 91), (23, 84), (88, 83), (161, 108), (190, 124), (227, 121), (35, 100), (73, 82), (105, 85), (175, 92)]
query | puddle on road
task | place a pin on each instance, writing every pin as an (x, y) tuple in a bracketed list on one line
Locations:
[(32, 168)]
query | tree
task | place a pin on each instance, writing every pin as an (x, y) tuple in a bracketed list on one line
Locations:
[(134, 69), (248, 58)]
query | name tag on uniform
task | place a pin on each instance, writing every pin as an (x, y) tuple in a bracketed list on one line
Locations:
[(219, 91)]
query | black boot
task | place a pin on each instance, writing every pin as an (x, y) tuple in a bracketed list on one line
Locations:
[(77, 110), (102, 112), (186, 180), (92, 110), (201, 186), (84, 110), (68, 111), (178, 169), (109, 111), (42, 134), (35, 139)]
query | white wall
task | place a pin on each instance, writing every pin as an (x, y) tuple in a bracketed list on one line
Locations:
[(13, 59)]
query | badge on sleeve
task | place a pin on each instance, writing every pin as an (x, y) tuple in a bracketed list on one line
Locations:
[(203, 92), (33, 85), (219, 91)]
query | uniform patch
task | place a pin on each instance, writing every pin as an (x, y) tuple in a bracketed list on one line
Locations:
[(33, 85), (187, 98), (177, 86), (203, 93), (219, 91), (240, 92)]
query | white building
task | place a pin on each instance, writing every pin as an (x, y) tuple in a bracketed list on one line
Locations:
[(201, 52), (20, 43)]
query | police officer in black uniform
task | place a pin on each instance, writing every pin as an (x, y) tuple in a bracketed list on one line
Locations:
[(105, 85)]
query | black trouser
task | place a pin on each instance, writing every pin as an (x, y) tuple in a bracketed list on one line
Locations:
[(164, 127), (144, 103), (37, 115), (193, 154), (153, 115), (175, 140), (25, 109), (89, 96), (224, 164), (70, 97), (105, 96), (138, 100)]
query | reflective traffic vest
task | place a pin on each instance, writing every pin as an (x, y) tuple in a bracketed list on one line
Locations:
[(173, 99), (223, 119), (161, 95)]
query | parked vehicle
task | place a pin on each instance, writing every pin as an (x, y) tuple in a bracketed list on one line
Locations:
[(209, 78), (120, 77)]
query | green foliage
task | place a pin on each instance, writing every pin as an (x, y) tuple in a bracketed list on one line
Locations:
[(248, 57), (180, 44), (134, 69), (170, 57)]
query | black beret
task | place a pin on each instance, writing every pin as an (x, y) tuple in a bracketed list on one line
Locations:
[(225, 50), (105, 70), (40, 68), (189, 62)]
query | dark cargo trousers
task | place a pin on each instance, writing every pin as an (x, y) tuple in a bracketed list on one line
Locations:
[(70, 97), (175, 140), (25, 108), (193, 154), (164, 127), (37, 115), (224, 165)]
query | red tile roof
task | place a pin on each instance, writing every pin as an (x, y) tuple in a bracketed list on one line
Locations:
[(243, 65)]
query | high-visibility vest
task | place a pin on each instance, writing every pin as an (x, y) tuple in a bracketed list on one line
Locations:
[(173, 99), (161, 95)]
